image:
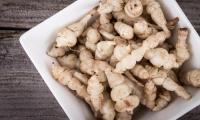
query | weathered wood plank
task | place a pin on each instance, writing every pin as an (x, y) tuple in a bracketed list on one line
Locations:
[(23, 94), (27, 13)]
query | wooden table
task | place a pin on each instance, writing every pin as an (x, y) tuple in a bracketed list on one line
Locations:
[(23, 93)]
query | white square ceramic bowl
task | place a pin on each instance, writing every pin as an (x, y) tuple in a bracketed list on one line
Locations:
[(37, 41)]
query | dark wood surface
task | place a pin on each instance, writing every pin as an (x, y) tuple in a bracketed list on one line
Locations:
[(23, 94)]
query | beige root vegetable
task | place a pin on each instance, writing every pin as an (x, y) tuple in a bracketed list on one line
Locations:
[(121, 50), (136, 89), (107, 110), (133, 8), (105, 24), (65, 77), (67, 37), (70, 61), (104, 49), (56, 51), (132, 78), (124, 30), (160, 78), (160, 57), (123, 116), (107, 6), (108, 27), (92, 37), (142, 30), (162, 101), (95, 90), (136, 55), (82, 77), (192, 78), (182, 51), (154, 9), (105, 18), (86, 61), (121, 92), (150, 94), (123, 17), (140, 72), (107, 35)]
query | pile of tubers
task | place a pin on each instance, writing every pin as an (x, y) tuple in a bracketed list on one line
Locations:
[(118, 57)]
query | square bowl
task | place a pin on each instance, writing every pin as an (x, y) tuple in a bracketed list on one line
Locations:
[(37, 41)]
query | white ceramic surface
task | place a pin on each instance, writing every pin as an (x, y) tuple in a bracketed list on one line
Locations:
[(38, 40)]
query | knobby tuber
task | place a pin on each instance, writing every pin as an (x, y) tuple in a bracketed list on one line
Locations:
[(192, 78), (133, 8)]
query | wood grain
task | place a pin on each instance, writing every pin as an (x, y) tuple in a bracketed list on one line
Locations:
[(23, 94), (28, 13)]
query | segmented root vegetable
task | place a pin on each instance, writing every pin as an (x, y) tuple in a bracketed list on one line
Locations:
[(123, 116), (95, 90), (162, 101), (140, 72), (78, 27), (114, 79), (124, 30), (66, 38), (146, 2), (121, 51), (104, 49), (136, 89), (100, 66), (142, 30), (182, 51), (160, 77), (136, 55), (154, 9), (160, 57), (121, 92), (56, 51), (94, 25), (192, 78), (150, 93), (131, 77), (65, 77), (70, 61), (107, 35), (133, 8), (105, 18), (107, 6), (113, 61), (108, 27), (82, 77), (127, 104), (86, 61), (123, 17), (171, 74), (92, 37), (107, 110)]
